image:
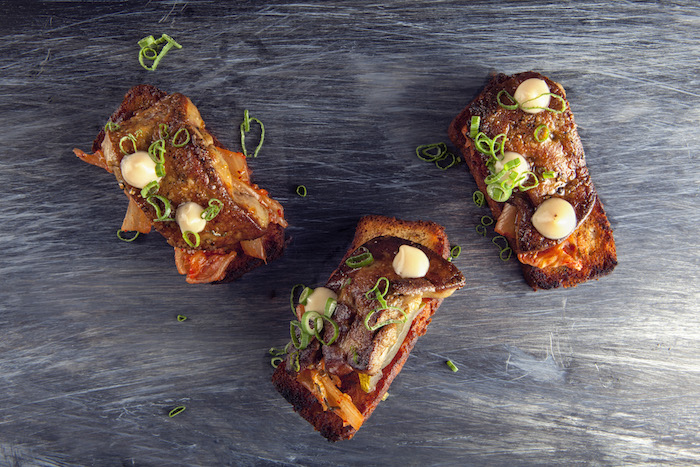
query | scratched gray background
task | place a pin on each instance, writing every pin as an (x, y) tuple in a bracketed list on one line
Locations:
[(92, 357)]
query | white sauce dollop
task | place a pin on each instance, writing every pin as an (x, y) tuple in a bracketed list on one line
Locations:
[(532, 95), (318, 298), (410, 262), (555, 218), (138, 169), (189, 217)]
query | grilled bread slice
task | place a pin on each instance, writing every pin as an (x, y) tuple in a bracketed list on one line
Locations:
[(552, 171), (336, 384), (244, 227)]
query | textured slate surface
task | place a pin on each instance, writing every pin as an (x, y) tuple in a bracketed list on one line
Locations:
[(92, 357)]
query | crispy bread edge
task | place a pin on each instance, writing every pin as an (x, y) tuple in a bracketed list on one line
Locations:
[(428, 234), (597, 245)]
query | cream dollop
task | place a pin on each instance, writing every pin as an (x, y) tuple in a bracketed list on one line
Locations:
[(138, 169), (189, 217), (410, 262), (532, 95), (318, 298), (555, 218)]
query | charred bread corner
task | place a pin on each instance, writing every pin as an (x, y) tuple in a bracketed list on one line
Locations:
[(352, 337), (519, 139), (181, 181)]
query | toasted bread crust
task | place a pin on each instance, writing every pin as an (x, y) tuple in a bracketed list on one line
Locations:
[(594, 238), (330, 425)]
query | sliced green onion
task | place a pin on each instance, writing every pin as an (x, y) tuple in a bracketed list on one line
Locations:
[(148, 50), (275, 361), (245, 127), (548, 174), (497, 238), (478, 198), (377, 286), (213, 210), (111, 126), (454, 161), (163, 215), (186, 236), (336, 331), (120, 235), (176, 410), (163, 131), (548, 109), (297, 367), (541, 133), (181, 318), (452, 366), (331, 305), (291, 298), (160, 170), (474, 126), (455, 252), (128, 137), (177, 133), (157, 151), (275, 351), (503, 255), (301, 191), (150, 189), (512, 99), (498, 193), (304, 296), (481, 230), (386, 322), (424, 152), (524, 177), (361, 259), (307, 318), (301, 340), (486, 220)]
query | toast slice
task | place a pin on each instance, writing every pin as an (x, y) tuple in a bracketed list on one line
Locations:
[(337, 386), (244, 227), (495, 123)]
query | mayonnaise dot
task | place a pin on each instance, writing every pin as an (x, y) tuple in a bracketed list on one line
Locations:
[(318, 298), (138, 169), (555, 218), (507, 157), (189, 217), (410, 262), (532, 95)]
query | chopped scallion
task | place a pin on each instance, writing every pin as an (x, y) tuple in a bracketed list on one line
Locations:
[(452, 366), (176, 410), (301, 191), (175, 137), (186, 236), (120, 235), (362, 258), (541, 133), (245, 127), (474, 126)]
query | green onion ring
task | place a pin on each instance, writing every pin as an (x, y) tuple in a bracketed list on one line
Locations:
[(503, 251), (539, 130), (291, 298), (150, 189), (181, 318), (331, 305), (334, 325), (495, 240), (548, 174), (384, 323), (362, 258), (455, 252), (452, 366), (506, 106), (301, 341), (185, 236), (481, 230), (176, 410), (163, 131), (474, 126), (177, 133), (455, 161), (548, 109), (111, 126), (160, 170), (213, 210), (245, 127), (304, 296), (306, 320), (163, 215), (486, 220), (157, 151), (275, 361), (301, 191), (498, 193), (131, 138), (424, 152), (376, 288), (121, 232), (297, 367), (525, 176), (478, 198)]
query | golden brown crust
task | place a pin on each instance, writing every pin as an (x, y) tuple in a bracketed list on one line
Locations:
[(594, 239), (428, 234)]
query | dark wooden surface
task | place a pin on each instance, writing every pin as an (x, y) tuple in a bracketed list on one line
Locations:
[(92, 357)]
